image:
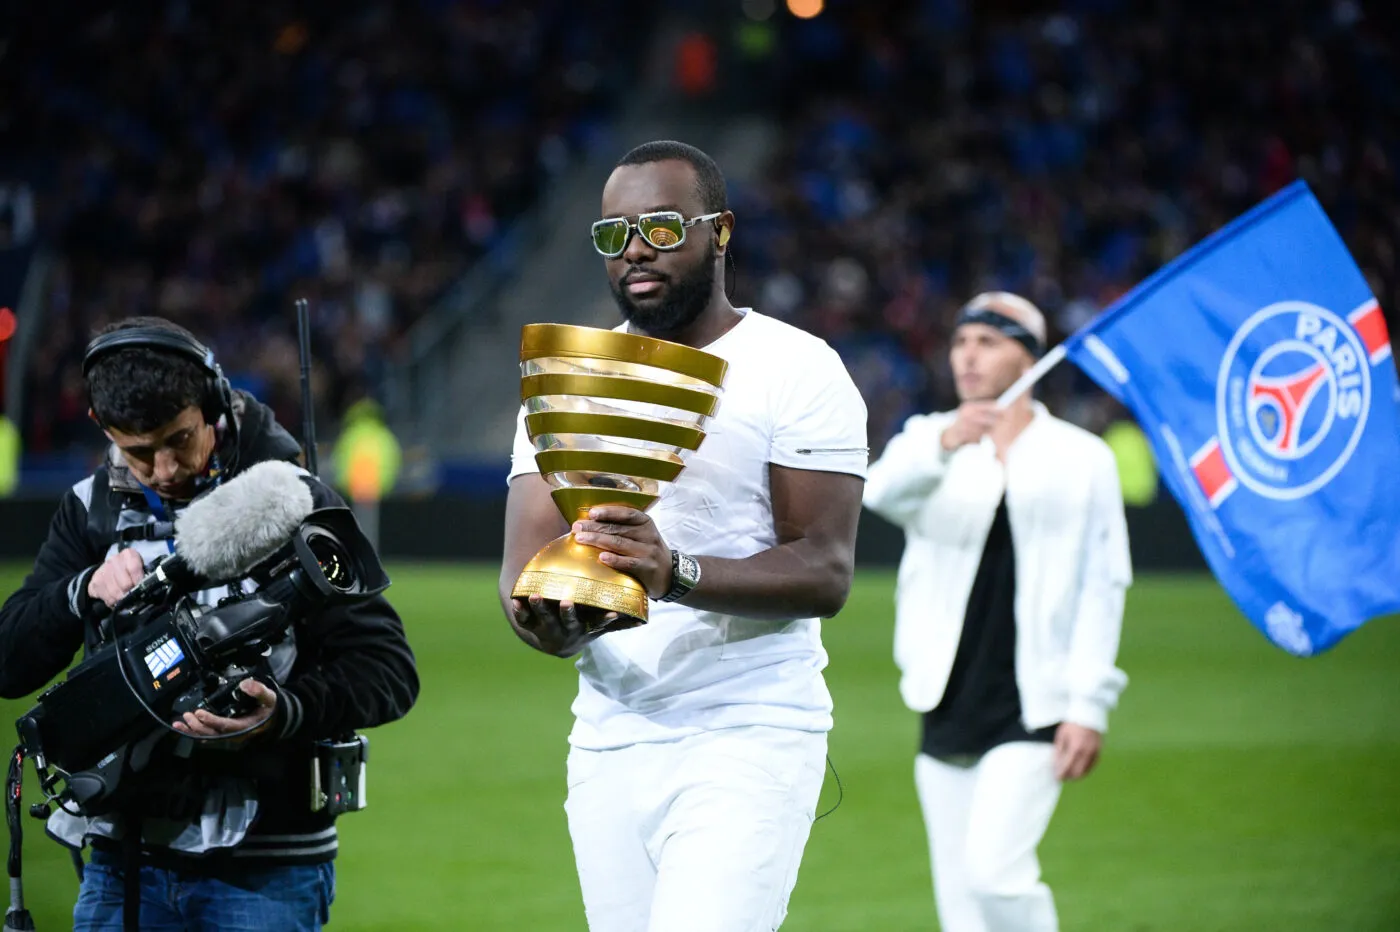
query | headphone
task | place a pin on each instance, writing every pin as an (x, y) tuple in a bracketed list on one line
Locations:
[(218, 393), (723, 235)]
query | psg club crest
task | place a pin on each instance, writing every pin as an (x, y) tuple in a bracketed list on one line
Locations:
[(1292, 399)]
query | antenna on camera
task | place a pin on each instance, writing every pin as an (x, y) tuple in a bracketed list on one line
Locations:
[(308, 412)]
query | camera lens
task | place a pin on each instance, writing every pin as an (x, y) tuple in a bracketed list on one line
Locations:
[(333, 558)]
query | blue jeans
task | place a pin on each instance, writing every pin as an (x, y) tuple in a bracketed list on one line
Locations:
[(285, 899)]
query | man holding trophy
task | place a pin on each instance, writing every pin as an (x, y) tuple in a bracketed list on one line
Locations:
[(704, 465)]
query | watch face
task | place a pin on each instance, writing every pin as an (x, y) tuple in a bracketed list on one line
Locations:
[(689, 570)]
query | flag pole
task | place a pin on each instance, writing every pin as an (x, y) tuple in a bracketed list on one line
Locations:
[(1032, 375)]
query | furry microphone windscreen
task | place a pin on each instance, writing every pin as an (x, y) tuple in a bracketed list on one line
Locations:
[(244, 521)]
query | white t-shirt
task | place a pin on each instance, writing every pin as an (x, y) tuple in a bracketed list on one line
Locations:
[(787, 400)]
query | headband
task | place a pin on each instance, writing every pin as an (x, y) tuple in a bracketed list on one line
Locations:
[(1003, 324)]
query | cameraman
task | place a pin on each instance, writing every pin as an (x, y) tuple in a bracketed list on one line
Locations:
[(228, 839)]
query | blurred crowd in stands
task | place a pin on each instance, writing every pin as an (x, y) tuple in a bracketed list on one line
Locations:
[(210, 162), (927, 154)]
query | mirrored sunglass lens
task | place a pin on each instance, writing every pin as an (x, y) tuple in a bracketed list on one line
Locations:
[(663, 232), (610, 237)]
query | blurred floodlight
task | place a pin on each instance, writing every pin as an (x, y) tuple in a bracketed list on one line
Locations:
[(758, 10)]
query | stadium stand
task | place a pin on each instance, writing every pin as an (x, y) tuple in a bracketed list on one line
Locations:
[(1064, 151), (209, 162)]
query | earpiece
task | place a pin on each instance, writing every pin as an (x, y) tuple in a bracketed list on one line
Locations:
[(723, 235)]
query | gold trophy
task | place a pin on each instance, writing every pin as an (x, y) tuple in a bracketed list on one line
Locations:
[(609, 414)]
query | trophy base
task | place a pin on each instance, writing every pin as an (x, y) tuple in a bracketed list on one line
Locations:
[(565, 570)]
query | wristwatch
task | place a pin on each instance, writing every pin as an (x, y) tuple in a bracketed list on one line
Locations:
[(685, 576)]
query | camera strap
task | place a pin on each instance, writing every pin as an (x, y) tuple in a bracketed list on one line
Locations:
[(131, 872), (102, 512), (131, 814)]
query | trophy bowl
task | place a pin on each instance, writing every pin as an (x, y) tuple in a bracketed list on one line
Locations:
[(611, 416)]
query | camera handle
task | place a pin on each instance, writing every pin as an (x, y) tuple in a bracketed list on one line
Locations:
[(162, 723), (17, 918)]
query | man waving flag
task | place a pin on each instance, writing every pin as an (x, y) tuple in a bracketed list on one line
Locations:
[(1259, 365)]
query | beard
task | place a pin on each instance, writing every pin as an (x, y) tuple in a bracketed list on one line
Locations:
[(685, 299)]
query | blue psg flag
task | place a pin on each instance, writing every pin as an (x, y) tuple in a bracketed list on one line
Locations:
[(1259, 366)]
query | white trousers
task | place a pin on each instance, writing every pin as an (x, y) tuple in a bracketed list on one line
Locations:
[(704, 834), (985, 819)]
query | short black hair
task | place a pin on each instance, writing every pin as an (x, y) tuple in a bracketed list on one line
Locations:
[(137, 389), (709, 180)]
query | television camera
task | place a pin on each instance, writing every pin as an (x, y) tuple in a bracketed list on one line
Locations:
[(170, 655)]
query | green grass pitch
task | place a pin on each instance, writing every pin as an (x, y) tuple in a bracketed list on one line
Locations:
[(1241, 789)]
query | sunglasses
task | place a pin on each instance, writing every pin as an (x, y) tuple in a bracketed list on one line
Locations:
[(663, 229)]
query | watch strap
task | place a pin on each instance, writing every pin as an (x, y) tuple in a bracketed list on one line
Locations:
[(680, 585)]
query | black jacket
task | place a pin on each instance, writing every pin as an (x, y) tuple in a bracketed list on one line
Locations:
[(353, 668)]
